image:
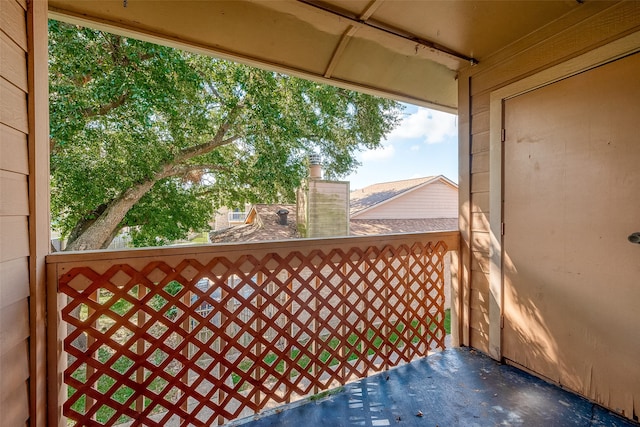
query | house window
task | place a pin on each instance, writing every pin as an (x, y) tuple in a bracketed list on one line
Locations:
[(237, 216)]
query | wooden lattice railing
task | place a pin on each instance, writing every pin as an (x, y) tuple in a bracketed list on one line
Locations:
[(203, 335)]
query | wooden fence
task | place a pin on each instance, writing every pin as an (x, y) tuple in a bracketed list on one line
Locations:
[(204, 335)]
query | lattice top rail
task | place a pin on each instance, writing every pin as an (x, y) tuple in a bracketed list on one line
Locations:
[(173, 255)]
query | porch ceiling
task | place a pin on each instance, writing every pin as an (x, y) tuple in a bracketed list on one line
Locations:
[(408, 50)]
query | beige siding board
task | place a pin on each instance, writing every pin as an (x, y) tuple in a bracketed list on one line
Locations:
[(480, 262), (14, 209), (478, 301), (480, 282), (14, 325), (552, 46), (437, 200), (480, 142), (479, 340), (480, 202), (463, 293), (14, 237), (479, 222), (480, 182), (14, 281), (480, 162), (15, 371), (14, 332), (13, 22), (12, 60), (15, 190), (479, 317), (14, 155), (13, 106), (480, 241), (13, 406), (479, 122), (480, 102)]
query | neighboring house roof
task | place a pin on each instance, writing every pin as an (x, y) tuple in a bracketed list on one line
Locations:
[(262, 220), (374, 195), (366, 227), (262, 224)]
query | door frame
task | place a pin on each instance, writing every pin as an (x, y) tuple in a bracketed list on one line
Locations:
[(610, 52)]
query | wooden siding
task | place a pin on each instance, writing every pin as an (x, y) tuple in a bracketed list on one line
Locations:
[(14, 150), (24, 210), (436, 200), (14, 213), (479, 224)]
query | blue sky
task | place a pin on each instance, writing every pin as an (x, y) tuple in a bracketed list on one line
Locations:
[(425, 143)]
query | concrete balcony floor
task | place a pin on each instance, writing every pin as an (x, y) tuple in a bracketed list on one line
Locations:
[(457, 387)]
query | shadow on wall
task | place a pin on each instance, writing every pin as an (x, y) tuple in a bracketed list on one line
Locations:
[(569, 332)]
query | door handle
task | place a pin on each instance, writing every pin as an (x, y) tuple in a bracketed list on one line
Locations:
[(634, 238)]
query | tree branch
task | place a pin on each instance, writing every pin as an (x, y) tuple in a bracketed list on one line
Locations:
[(207, 147), (99, 231), (217, 141), (177, 170), (104, 109), (214, 91)]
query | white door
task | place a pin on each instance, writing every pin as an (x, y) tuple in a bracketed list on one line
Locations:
[(571, 199)]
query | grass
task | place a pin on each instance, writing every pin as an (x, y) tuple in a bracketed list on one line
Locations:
[(122, 364), (304, 361), (447, 321), (202, 238), (104, 383), (326, 393)]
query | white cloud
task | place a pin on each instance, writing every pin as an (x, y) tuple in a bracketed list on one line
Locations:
[(429, 125), (383, 153)]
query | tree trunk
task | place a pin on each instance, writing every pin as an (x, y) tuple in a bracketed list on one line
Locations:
[(98, 233)]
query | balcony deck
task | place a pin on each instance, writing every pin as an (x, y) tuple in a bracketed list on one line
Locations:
[(457, 387)]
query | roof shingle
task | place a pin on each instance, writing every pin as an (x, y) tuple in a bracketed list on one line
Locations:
[(265, 227), (366, 227)]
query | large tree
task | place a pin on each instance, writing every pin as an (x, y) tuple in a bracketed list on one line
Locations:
[(153, 138)]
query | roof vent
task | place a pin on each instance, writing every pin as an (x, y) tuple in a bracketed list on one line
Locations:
[(282, 216)]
